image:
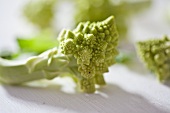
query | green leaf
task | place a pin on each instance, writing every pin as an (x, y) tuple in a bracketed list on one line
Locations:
[(124, 58), (38, 44)]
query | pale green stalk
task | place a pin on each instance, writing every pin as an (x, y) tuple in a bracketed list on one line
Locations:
[(45, 66)]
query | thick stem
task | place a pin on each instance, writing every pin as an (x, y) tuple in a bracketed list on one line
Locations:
[(87, 85), (35, 68), (18, 74)]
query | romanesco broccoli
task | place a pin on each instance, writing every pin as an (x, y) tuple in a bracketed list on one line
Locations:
[(156, 56), (85, 53)]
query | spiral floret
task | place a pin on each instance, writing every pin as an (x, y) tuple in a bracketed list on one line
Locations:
[(93, 45), (156, 56)]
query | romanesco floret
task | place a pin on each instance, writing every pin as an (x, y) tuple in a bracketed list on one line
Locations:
[(93, 45), (156, 56)]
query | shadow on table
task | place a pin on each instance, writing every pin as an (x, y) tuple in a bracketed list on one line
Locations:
[(131, 58), (138, 67), (110, 99), (167, 83)]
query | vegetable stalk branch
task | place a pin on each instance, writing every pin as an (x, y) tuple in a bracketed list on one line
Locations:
[(85, 53)]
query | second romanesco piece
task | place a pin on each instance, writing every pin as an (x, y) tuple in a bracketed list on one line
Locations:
[(156, 55)]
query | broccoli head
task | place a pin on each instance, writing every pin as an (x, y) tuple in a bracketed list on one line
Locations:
[(156, 56), (93, 45), (84, 54)]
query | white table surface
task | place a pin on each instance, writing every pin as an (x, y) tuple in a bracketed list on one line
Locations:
[(129, 89)]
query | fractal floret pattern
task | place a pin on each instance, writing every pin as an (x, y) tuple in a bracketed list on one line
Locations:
[(156, 56), (93, 45)]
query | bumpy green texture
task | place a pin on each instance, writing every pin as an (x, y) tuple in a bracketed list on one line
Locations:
[(40, 12), (97, 10), (93, 45), (84, 54), (156, 56)]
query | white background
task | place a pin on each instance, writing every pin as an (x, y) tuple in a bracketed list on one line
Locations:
[(129, 90)]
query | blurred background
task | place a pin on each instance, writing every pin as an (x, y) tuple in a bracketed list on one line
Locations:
[(27, 19), (32, 26)]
